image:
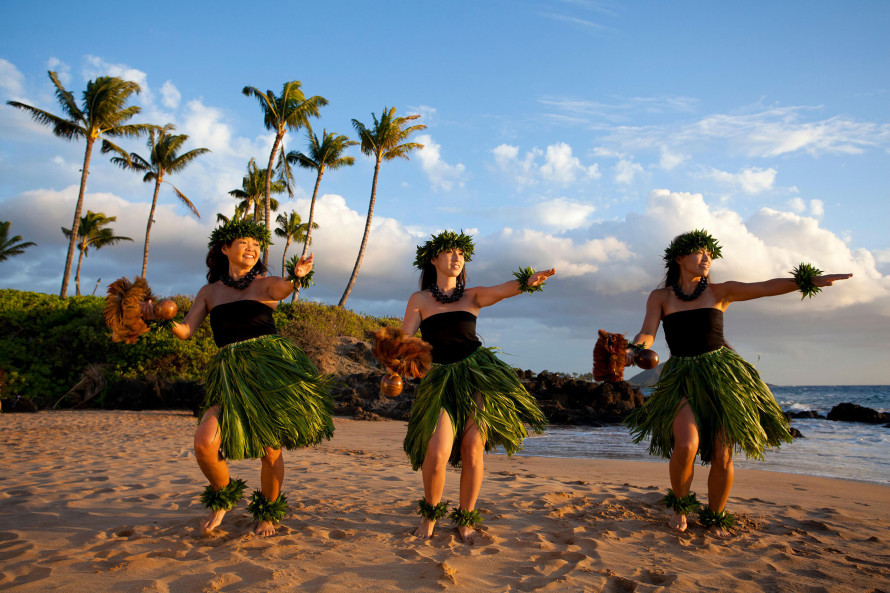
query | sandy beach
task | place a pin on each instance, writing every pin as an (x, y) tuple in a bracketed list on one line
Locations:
[(108, 501)]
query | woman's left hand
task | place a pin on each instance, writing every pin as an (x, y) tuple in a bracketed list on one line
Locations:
[(539, 277), (304, 266)]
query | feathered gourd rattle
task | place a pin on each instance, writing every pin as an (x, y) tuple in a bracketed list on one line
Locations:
[(402, 357), (123, 309), (610, 357)]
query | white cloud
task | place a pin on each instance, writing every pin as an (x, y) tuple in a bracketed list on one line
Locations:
[(441, 175), (12, 82), (751, 181), (428, 115), (62, 70), (797, 205), (559, 166), (626, 171), (670, 159), (562, 167), (817, 208), (563, 214), (170, 95)]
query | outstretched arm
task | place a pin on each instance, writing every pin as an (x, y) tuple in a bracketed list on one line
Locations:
[(192, 320), (486, 296), (646, 336), (730, 292)]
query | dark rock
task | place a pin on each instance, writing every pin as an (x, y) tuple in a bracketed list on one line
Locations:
[(795, 434), (848, 412)]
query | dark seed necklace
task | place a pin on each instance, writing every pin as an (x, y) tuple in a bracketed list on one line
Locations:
[(445, 299), (243, 283), (702, 285)]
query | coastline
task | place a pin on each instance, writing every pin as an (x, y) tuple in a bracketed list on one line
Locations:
[(108, 501)]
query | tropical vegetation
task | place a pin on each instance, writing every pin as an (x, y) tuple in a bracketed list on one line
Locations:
[(385, 141), (104, 114), (11, 246), (253, 191), (163, 159), (93, 233)]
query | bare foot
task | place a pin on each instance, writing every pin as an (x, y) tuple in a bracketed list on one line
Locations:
[(212, 521), (467, 534), (719, 532), (426, 528), (678, 522), (265, 529)]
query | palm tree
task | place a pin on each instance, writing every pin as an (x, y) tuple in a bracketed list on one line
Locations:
[(289, 111), (103, 115), (291, 227), (92, 234), (386, 141), (10, 246), (326, 154), (162, 159), (253, 190)]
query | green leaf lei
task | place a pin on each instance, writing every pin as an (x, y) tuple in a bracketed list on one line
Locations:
[(302, 281), (465, 518), (523, 276), (240, 229), (803, 277), (690, 242), (443, 242), (432, 511), (225, 498), (723, 520), (682, 505), (264, 509)]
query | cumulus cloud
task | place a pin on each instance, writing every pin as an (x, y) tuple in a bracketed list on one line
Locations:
[(751, 181), (12, 82), (563, 214), (170, 95), (626, 171), (441, 175), (559, 166)]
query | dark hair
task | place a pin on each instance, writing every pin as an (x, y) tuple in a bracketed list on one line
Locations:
[(672, 276), (218, 263), (428, 276)]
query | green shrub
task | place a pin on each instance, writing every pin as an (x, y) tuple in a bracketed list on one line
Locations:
[(46, 342)]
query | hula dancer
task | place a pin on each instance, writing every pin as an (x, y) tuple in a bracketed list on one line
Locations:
[(708, 400), (262, 392), (470, 401)]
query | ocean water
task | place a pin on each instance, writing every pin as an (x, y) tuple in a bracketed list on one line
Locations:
[(846, 450)]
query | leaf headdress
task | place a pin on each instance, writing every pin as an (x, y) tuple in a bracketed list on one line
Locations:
[(443, 242), (690, 242), (240, 229)]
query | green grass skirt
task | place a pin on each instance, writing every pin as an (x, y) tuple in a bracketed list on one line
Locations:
[(507, 406), (727, 398), (269, 395)]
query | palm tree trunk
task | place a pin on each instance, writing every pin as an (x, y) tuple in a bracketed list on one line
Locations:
[(278, 138), (72, 243), (151, 216), (284, 258), (309, 225), (361, 250), (77, 275)]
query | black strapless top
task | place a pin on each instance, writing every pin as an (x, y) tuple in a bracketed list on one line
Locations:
[(694, 332), (240, 320), (452, 335)]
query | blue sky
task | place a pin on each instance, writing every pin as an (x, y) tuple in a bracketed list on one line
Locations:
[(570, 133)]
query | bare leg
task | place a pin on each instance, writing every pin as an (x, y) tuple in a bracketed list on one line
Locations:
[(438, 451), (212, 464), (271, 478), (720, 481), (472, 449), (682, 464)]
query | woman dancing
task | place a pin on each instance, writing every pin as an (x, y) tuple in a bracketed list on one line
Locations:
[(708, 400), (470, 401), (262, 392)]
